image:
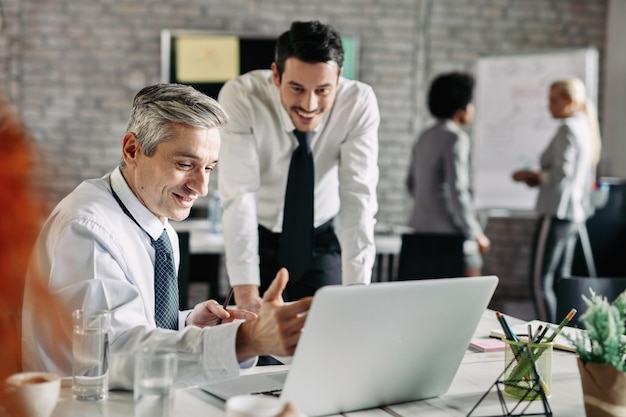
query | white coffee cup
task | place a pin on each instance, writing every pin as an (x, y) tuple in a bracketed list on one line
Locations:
[(32, 394), (253, 406)]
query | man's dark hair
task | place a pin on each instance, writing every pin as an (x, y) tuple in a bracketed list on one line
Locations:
[(310, 42), (450, 93)]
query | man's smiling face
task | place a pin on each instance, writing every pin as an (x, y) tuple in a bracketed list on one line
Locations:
[(169, 182), (307, 91)]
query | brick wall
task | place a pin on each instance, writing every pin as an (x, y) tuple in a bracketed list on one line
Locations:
[(72, 68)]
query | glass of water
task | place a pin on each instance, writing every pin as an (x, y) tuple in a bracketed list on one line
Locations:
[(90, 352), (155, 377)]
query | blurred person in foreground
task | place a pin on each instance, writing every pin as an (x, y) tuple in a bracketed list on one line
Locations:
[(22, 211), (439, 177), (99, 250), (565, 181)]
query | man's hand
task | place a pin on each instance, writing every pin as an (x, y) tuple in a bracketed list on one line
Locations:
[(208, 312), (277, 328), (247, 297)]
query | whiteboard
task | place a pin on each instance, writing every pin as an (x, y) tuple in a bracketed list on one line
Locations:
[(513, 125)]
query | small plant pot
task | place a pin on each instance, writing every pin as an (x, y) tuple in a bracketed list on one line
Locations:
[(604, 390)]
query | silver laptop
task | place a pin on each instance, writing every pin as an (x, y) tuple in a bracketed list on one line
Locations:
[(366, 346)]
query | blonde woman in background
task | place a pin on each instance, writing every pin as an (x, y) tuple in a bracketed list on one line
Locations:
[(565, 181)]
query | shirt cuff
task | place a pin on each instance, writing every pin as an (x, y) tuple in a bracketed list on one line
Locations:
[(220, 355), (357, 274), (246, 274)]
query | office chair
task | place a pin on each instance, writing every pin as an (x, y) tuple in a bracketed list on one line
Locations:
[(431, 255), (570, 291), (184, 270), (607, 237)]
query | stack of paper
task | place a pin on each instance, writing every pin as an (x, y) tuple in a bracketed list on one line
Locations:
[(487, 345)]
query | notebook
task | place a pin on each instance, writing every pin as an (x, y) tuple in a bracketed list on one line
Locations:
[(366, 346)]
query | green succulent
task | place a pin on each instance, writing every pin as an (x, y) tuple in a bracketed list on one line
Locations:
[(605, 325)]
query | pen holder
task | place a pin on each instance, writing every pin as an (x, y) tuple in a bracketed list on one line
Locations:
[(521, 380)]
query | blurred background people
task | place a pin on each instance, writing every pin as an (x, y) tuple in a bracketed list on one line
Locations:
[(439, 177), (565, 181)]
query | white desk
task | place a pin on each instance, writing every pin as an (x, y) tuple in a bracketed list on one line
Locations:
[(477, 373)]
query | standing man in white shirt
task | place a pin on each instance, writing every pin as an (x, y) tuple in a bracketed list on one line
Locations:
[(97, 250), (304, 93)]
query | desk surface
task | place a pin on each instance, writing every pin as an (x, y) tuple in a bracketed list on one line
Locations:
[(201, 241), (477, 373)]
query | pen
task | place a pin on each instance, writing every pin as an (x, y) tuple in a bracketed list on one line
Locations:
[(226, 302), (566, 320), (508, 332), (543, 333), (538, 334)]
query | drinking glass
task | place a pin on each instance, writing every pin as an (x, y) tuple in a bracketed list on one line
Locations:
[(155, 376), (90, 352)]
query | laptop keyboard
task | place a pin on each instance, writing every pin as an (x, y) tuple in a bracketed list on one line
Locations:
[(272, 393)]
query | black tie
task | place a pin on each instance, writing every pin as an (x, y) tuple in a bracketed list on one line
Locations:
[(165, 284), (296, 239)]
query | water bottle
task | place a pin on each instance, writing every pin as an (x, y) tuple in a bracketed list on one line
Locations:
[(215, 213)]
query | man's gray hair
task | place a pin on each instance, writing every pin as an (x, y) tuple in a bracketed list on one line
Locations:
[(157, 107)]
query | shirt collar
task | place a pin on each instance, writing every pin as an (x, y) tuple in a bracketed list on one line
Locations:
[(450, 125), (144, 217)]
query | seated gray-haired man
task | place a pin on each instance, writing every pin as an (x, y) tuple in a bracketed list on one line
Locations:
[(100, 249)]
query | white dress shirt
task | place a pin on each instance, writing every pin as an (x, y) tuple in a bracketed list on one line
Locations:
[(254, 162), (92, 255)]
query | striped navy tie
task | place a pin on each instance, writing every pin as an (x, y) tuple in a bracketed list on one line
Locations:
[(165, 284)]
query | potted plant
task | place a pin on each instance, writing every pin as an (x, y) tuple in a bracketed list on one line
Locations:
[(601, 356)]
